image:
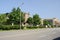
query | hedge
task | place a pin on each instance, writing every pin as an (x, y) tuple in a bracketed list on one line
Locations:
[(9, 27), (32, 27)]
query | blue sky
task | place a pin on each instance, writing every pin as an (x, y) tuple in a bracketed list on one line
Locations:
[(45, 8)]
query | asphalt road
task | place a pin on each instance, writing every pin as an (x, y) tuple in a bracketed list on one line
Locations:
[(36, 34)]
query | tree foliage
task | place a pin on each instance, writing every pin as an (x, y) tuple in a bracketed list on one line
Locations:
[(30, 20), (16, 15), (2, 18), (36, 19), (46, 22)]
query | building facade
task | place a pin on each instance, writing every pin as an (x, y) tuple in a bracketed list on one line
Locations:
[(53, 21), (26, 16)]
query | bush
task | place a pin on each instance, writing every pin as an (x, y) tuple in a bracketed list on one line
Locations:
[(15, 27), (42, 27), (9, 27), (32, 27)]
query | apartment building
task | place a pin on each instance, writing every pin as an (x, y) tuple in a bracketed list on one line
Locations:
[(53, 21), (26, 16)]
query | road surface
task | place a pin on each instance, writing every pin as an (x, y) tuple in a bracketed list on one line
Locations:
[(36, 34)]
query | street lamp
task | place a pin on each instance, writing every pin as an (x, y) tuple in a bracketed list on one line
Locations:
[(20, 15)]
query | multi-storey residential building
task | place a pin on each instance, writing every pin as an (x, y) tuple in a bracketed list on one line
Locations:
[(26, 16), (54, 21)]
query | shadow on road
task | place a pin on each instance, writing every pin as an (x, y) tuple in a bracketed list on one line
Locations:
[(57, 38)]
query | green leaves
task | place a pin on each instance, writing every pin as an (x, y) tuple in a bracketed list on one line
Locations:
[(30, 20), (36, 19), (2, 18), (16, 15), (46, 22)]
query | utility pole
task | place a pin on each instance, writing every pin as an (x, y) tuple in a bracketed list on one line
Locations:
[(20, 15)]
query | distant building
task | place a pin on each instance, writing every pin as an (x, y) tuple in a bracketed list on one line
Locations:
[(41, 21), (53, 21), (26, 16)]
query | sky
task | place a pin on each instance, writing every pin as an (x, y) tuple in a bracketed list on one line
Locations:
[(44, 8)]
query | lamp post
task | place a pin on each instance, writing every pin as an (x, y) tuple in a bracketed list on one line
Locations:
[(20, 15)]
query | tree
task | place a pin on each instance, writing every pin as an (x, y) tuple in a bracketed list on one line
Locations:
[(20, 15), (30, 20), (36, 19), (46, 22), (12, 16), (2, 18), (16, 15)]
